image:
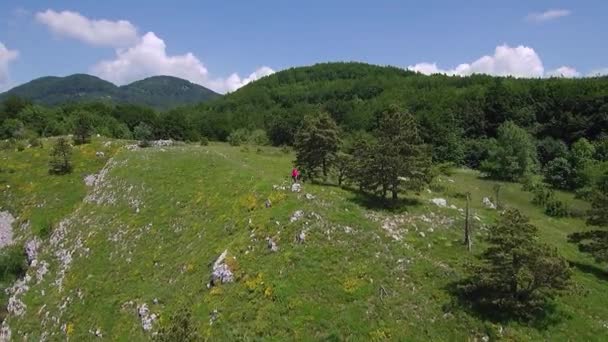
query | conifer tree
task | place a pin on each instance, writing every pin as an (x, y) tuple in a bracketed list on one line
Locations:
[(316, 145), (83, 129), (595, 242), (518, 275), (60, 157)]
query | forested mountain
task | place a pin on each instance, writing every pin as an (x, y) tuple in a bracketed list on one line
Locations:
[(159, 92), (448, 108)]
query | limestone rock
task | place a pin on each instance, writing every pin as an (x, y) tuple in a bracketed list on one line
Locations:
[(440, 202)]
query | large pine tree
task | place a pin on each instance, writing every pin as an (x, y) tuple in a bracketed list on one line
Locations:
[(316, 144), (396, 160), (518, 274), (595, 242)]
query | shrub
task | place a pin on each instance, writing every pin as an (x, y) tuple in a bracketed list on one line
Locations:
[(556, 208), (13, 263), (60, 158), (180, 327), (35, 142), (238, 137), (204, 141), (259, 137)]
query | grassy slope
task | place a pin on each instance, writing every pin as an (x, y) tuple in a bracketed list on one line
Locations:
[(194, 202)]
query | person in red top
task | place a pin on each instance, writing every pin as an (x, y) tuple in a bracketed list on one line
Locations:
[(295, 175)]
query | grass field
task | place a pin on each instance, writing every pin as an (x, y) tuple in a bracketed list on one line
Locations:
[(152, 226)]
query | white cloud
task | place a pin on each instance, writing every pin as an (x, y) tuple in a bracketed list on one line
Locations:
[(520, 61), (548, 15), (101, 32), (234, 82), (564, 71), (149, 58), (6, 56)]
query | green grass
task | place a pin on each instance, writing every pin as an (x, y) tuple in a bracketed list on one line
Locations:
[(196, 201)]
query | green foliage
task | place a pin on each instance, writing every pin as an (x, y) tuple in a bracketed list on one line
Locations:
[(601, 149), (160, 92), (396, 160), (83, 128), (550, 148), (143, 133), (238, 137), (204, 141), (61, 157), (316, 145), (13, 263), (179, 328), (518, 275), (513, 155), (35, 142), (595, 242), (558, 173), (12, 128)]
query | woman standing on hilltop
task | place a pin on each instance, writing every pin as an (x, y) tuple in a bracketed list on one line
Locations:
[(295, 175)]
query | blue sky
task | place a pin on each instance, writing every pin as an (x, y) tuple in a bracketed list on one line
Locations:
[(225, 44)]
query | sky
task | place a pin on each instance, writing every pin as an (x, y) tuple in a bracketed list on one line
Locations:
[(224, 45)]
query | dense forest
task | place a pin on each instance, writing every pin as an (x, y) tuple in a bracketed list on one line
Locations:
[(460, 118), (159, 92)]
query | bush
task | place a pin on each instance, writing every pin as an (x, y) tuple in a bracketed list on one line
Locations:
[(259, 137), (20, 146), (238, 137), (556, 208), (60, 158), (35, 142), (204, 141), (180, 327), (558, 173), (13, 263)]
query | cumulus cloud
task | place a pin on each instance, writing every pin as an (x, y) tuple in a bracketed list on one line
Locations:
[(6, 56), (234, 82), (552, 14), (149, 58), (100, 32), (520, 61), (564, 71)]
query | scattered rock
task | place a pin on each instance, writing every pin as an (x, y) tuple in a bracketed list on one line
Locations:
[(96, 332), (453, 207), (221, 272), (31, 250), (488, 203), (162, 143), (213, 315), (6, 228), (348, 229), (89, 180), (440, 202), (272, 245), (301, 237), (296, 187), (147, 318), (268, 203), (296, 216), (422, 234), (100, 154), (310, 196)]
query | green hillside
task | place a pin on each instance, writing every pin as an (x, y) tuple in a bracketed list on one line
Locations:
[(150, 227), (159, 92)]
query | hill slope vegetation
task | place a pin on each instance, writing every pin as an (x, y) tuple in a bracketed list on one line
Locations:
[(159, 92)]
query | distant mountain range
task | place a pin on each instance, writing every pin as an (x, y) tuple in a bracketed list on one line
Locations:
[(159, 92)]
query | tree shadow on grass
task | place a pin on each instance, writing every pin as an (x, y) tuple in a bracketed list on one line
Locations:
[(473, 304), (590, 269), (383, 204)]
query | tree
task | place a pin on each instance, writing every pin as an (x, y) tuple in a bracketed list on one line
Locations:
[(83, 128), (396, 160), (517, 275), (316, 145), (60, 157), (550, 148), (558, 173), (143, 133), (581, 158), (595, 242), (12, 128), (513, 155)]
